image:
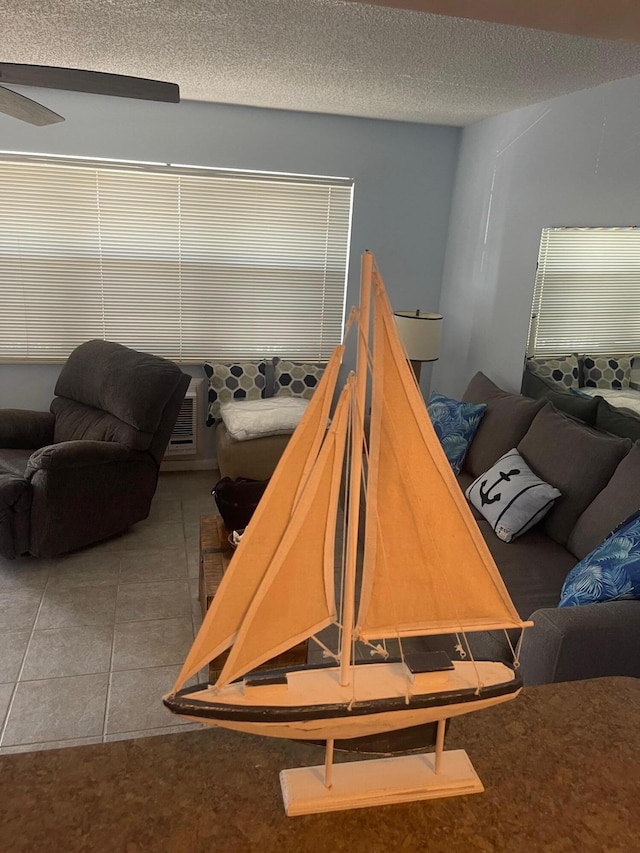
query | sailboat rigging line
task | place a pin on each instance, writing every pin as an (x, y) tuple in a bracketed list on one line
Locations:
[(515, 651), (327, 651)]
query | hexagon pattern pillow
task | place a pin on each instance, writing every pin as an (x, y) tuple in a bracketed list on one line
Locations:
[(296, 379), (602, 371), (565, 370), (241, 381)]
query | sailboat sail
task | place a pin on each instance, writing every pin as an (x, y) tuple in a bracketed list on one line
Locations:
[(263, 535), (296, 597), (426, 567)]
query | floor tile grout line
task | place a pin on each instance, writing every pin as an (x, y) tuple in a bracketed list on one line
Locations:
[(111, 657), (5, 723)]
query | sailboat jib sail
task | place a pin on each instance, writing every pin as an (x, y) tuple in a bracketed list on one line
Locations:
[(296, 597), (268, 524), (426, 567)]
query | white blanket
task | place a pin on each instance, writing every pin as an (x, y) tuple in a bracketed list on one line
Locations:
[(626, 398), (246, 419)]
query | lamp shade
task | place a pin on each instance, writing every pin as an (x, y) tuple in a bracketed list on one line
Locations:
[(420, 332)]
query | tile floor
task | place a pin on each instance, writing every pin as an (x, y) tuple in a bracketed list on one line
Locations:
[(90, 641)]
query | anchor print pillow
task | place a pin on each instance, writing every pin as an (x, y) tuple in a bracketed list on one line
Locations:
[(455, 424), (610, 572), (511, 497)]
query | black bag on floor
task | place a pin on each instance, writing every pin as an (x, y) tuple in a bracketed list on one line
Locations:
[(237, 500)]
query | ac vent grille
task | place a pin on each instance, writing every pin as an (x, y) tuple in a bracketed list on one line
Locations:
[(184, 438)]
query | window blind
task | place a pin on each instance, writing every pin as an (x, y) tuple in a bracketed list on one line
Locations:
[(185, 263), (587, 292)]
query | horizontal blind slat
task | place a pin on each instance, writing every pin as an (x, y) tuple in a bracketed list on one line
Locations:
[(183, 263)]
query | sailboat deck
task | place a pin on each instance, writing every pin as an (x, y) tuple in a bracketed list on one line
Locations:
[(370, 682)]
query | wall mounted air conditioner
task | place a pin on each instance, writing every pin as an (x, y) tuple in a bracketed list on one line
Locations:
[(184, 438)]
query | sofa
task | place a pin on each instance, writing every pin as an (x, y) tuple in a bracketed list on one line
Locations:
[(603, 391), (598, 475), (88, 468)]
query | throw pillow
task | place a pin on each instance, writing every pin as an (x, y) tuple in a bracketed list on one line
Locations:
[(241, 381), (578, 460), (607, 372), (506, 420), (617, 421), (511, 497), (563, 370), (295, 378), (610, 572), (455, 424)]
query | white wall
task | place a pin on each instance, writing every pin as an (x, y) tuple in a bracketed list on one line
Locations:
[(403, 175), (570, 161)]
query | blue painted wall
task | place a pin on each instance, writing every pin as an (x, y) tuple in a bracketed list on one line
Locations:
[(571, 161)]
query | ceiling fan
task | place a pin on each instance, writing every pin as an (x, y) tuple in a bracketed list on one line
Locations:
[(73, 80)]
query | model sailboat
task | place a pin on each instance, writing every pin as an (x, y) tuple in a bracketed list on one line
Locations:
[(425, 570)]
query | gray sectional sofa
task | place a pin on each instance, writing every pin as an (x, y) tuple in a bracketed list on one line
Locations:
[(598, 475)]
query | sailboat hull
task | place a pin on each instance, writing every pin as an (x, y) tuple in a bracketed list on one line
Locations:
[(309, 703)]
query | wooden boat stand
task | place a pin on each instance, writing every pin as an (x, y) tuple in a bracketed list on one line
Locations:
[(381, 781)]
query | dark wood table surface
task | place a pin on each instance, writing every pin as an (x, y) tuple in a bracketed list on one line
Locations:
[(560, 764)]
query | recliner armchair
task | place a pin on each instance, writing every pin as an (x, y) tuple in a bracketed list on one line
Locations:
[(88, 468)]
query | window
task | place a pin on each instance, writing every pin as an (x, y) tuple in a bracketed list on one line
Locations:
[(182, 262), (587, 292)]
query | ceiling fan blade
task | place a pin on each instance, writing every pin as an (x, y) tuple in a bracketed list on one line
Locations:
[(17, 106), (91, 82)]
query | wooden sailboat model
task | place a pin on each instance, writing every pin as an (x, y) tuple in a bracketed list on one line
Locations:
[(426, 570)]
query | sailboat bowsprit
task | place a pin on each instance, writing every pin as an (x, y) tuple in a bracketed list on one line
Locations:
[(425, 570)]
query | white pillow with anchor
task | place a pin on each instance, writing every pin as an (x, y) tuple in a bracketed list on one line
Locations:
[(511, 497)]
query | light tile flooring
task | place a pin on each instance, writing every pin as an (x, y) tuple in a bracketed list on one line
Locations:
[(90, 641)]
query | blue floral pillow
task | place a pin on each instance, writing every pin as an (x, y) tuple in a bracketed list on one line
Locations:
[(611, 571), (455, 424)]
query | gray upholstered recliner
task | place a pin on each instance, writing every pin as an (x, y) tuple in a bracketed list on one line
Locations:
[(88, 468)]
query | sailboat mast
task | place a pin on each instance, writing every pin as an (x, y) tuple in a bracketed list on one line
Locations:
[(355, 474)]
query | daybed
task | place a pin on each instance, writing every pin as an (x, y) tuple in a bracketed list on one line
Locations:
[(255, 455), (598, 475)]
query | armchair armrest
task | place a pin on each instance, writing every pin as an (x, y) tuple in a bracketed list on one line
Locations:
[(24, 429), (586, 641), (77, 454)]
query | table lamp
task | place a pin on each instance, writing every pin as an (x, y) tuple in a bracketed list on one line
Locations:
[(420, 333)]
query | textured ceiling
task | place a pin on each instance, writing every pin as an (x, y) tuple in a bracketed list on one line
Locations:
[(349, 58)]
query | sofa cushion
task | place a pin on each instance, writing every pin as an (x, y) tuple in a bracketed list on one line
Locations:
[(506, 420), (616, 502), (77, 422), (575, 459), (533, 568), (14, 461), (617, 421), (133, 386), (455, 424), (511, 497), (571, 402), (610, 572)]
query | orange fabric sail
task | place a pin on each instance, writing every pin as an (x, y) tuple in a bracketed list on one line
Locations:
[(296, 597), (426, 567), (268, 525)]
